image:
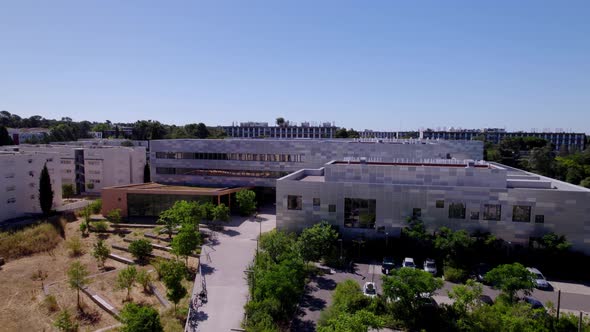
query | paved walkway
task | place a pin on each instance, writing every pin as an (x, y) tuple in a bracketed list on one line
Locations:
[(223, 263)]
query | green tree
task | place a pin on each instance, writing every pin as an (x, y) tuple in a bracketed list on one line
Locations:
[(541, 160), (466, 297), (146, 173), (280, 121), (45, 191), (186, 241), (126, 279), (409, 286), (77, 278), (181, 212), (172, 274), (144, 278), (221, 213), (139, 318), (202, 131), (246, 201), (511, 278), (277, 244), (101, 252), (585, 183), (207, 211), (359, 321), (346, 299), (4, 137), (453, 244), (141, 249), (64, 322), (341, 133), (317, 241)]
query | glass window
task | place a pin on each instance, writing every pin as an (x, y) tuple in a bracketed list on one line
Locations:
[(492, 212), (440, 204), (417, 212), (316, 202), (164, 170), (539, 219), (474, 215), (457, 211), (521, 213), (332, 208), (294, 202), (359, 213)]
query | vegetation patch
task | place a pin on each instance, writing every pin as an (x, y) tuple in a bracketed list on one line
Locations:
[(35, 239)]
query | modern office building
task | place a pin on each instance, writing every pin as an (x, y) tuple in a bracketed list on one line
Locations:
[(259, 163), (572, 141), (263, 130), (19, 182), (374, 199), (90, 168)]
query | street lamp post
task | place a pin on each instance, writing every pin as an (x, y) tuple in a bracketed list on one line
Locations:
[(340, 240)]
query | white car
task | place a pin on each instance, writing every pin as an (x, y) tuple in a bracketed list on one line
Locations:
[(409, 262), (430, 266), (369, 289), (538, 278)]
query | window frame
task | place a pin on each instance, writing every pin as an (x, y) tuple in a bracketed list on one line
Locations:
[(298, 200)]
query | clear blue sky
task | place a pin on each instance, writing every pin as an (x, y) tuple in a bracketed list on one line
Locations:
[(384, 65)]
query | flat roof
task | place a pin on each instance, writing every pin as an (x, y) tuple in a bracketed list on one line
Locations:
[(313, 178), (376, 163), (158, 188)]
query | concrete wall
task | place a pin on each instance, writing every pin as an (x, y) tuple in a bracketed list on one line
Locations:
[(315, 154)]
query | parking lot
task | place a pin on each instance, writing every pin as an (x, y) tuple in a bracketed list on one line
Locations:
[(574, 297)]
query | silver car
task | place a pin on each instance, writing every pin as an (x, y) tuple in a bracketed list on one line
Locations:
[(538, 278), (430, 266)]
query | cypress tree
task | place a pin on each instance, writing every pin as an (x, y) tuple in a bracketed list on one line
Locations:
[(146, 173), (45, 191), (4, 137)]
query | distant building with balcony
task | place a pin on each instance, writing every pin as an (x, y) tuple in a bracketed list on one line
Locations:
[(263, 130)]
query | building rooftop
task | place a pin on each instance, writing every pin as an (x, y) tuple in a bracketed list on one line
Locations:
[(157, 188)]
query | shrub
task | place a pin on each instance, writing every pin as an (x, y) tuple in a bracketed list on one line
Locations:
[(101, 252), (31, 240), (67, 190), (126, 278), (136, 318), (50, 304), (64, 322), (100, 226), (75, 247), (141, 249), (246, 201), (95, 206), (114, 216), (453, 274)]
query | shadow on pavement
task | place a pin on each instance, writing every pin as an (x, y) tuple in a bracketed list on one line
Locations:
[(303, 326), (206, 269)]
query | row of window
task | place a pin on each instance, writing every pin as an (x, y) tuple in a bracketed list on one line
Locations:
[(295, 158), (361, 213), (11, 200), (220, 172)]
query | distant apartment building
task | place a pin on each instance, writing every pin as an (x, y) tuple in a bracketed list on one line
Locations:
[(263, 130), (572, 141), (374, 199), (259, 163), (24, 135), (19, 181), (90, 168)]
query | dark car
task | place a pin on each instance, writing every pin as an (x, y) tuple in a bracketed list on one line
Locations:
[(486, 300), (388, 265), (536, 304)]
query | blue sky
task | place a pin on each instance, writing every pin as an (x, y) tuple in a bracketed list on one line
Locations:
[(384, 65)]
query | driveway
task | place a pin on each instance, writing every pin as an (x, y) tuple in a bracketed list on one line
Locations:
[(223, 262)]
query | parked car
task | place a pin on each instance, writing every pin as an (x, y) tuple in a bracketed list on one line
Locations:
[(538, 278), (430, 266), (388, 265), (479, 273), (536, 304), (486, 299), (369, 289), (409, 262)]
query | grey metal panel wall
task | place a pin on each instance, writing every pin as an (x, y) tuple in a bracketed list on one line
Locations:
[(565, 212), (315, 154)]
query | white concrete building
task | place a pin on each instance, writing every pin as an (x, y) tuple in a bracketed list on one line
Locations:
[(19, 181), (90, 168)]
